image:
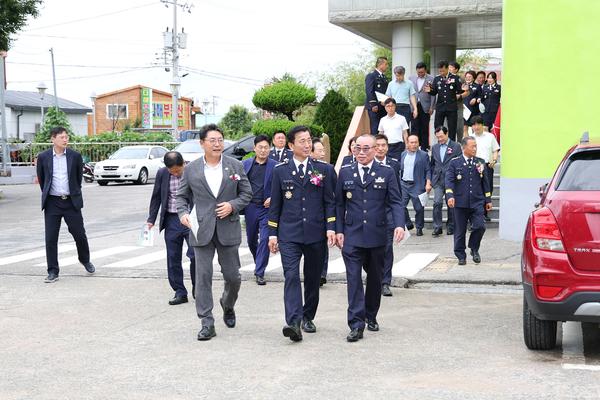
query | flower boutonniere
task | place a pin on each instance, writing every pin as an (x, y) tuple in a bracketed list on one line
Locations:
[(449, 151), (480, 167), (316, 178), (234, 177)]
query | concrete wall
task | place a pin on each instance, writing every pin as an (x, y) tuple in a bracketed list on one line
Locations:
[(29, 119)]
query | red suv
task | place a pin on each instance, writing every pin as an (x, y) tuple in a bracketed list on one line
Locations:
[(561, 249)]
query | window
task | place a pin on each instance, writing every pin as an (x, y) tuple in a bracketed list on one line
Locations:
[(582, 172), (117, 111), (158, 152)]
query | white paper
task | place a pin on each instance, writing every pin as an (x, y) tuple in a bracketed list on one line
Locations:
[(423, 197), (406, 236), (194, 222), (381, 97), (466, 113), (146, 238), (481, 108)]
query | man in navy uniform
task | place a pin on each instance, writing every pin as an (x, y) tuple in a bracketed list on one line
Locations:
[(364, 192), (259, 170), (376, 81), (280, 151), (467, 190), (441, 154), (303, 206)]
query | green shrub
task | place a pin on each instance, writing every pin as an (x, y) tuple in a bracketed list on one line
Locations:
[(284, 97), (270, 126), (54, 117), (334, 114)]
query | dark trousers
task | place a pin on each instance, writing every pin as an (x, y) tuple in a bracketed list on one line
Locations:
[(420, 126), (489, 118), (439, 191), (257, 233), (461, 217), (395, 150), (404, 110), (56, 209), (388, 257), (375, 117), (411, 192), (291, 253), (490, 177), (363, 304), (450, 116), (325, 263), (175, 235)]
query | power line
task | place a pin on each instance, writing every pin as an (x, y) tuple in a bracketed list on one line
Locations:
[(90, 76), (89, 39), (78, 66), (222, 75)]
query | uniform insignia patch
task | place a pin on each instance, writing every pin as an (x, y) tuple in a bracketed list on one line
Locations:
[(349, 195), (288, 195), (380, 180)]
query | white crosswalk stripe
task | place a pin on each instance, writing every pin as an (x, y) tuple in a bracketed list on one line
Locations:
[(33, 254), (94, 255), (412, 264), (139, 260)]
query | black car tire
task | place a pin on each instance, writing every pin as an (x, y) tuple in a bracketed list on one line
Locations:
[(143, 178), (88, 180), (102, 183), (538, 334)]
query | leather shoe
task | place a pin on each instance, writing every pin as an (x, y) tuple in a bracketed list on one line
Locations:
[(462, 261), (487, 219), (51, 278), (437, 232), (355, 335), (308, 326), (178, 300), (293, 332), (228, 315), (323, 281), (419, 232), (476, 256), (385, 290), (409, 226), (449, 231), (89, 267), (373, 326), (206, 333), (260, 280)]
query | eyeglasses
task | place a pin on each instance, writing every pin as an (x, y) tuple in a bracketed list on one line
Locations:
[(215, 141), (364, 149)]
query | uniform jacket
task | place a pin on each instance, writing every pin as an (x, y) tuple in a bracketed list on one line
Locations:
[(422, 170), (446, 90), (302, 209), (45, 168), (439, 166), (469, 186), (286, 154), (374, 82), (427, 101), (271, 163), (160, 197), (475, 91), (490, 97), (362, 207)]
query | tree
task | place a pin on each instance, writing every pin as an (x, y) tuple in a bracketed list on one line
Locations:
[(333, 113), (54, 117), (237, 122), (14, 14), (284, 97), (475, 60)]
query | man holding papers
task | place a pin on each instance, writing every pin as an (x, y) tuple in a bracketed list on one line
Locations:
[(376, 82)]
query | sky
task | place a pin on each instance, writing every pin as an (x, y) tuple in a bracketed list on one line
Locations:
[(233, 47)]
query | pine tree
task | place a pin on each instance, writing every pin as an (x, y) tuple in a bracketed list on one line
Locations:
[(54, 117)]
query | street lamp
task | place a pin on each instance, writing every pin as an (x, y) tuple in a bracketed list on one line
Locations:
[(93, 98), (41, 87), (175, 84)]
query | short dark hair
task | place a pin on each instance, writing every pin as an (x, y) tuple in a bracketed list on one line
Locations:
[(442, 64), (481, 73), (316, 140), (412, 134), (352, 140), (58, 130), (472, 73), (172, 159), (380, 61), (291, 136), (455, 65), (465, 140), (493, 75), (441, 128), (262, 138), (207, 128), (389, 100), (279, 131), (381, 136), (421, 64), (477, 120)]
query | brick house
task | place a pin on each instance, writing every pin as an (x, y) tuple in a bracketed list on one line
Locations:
[(150, 107)]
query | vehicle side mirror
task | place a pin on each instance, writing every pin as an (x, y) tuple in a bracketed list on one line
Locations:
[(151, 156), (542, 189)]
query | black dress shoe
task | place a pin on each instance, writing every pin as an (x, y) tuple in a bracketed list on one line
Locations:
[(308, 326), (323, 281), (228, 315), (260, 280), (178, 300), (437, 232), (385, 290), (293, 332), (476, 256), (410, 226), (373, 326), (51, 278), (419, 232), (89, 267), (487, 219), (462, 261), (355, 335), (206, 333), (450, 231)]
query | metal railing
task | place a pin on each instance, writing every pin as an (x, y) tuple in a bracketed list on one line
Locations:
[(25, 154)]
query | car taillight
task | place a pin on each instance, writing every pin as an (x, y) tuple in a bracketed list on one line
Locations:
[(545, 232)]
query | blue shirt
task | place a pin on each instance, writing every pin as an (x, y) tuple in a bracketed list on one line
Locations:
[(256, 176), (443, 148), (409, 166), (60, 175), (401, 91)]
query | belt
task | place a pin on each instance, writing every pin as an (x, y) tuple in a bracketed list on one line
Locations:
[(407, 181), (62, 196)]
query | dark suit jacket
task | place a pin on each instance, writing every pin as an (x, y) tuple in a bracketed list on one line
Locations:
[(439, 166), (271, 163), (470, 187), (45, 167), (349, 159), (374, 83), (422, 170), (160, 197)]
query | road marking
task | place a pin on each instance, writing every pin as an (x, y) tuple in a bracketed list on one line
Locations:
[(583, 367), (33, 254), (572, 343), (140, 260), (336, 266), (95, 255), (412, 264)]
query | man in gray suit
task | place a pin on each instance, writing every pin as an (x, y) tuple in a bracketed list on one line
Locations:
[(219, 188), (425, 105)]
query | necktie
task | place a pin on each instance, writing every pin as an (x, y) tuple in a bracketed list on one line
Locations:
[(470, 162), (365, 173), (301, 171), (278, 155)]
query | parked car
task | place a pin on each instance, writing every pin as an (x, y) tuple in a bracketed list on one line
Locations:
[(240, 148), (561, 249), (130, 163), (192, 150)]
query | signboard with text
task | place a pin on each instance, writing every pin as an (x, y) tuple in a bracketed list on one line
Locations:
[(147, 108), (162, 114)]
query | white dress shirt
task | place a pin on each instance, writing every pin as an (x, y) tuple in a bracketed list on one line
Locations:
[(486, 145), (361, 172), (60, 175), (214, 176), (305, 163)]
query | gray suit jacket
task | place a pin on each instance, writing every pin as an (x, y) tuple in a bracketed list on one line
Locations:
[(427, 101), (439, 166), (194, 187)]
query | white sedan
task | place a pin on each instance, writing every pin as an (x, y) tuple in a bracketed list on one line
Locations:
[(130, 163)]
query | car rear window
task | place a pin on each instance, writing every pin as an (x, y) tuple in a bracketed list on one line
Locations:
[(582, 172)]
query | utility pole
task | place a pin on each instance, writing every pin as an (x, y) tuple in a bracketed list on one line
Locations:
[(54, 79), (5, 153)]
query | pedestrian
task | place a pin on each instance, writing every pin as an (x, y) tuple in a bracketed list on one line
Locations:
[(415, 176), (442, 153), (259, 170), (490, 98), (318, 153), (301, 223), (364, 192), (280, 152), (480, 79), (467, 191), (59, 173), (395, 127), (163, 197), (350, 158), (381, 149), (219, 189), (425, 105), (470, 101), (453, 67), (487, 149), (446, 87), (376, 82), (404, 93)]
